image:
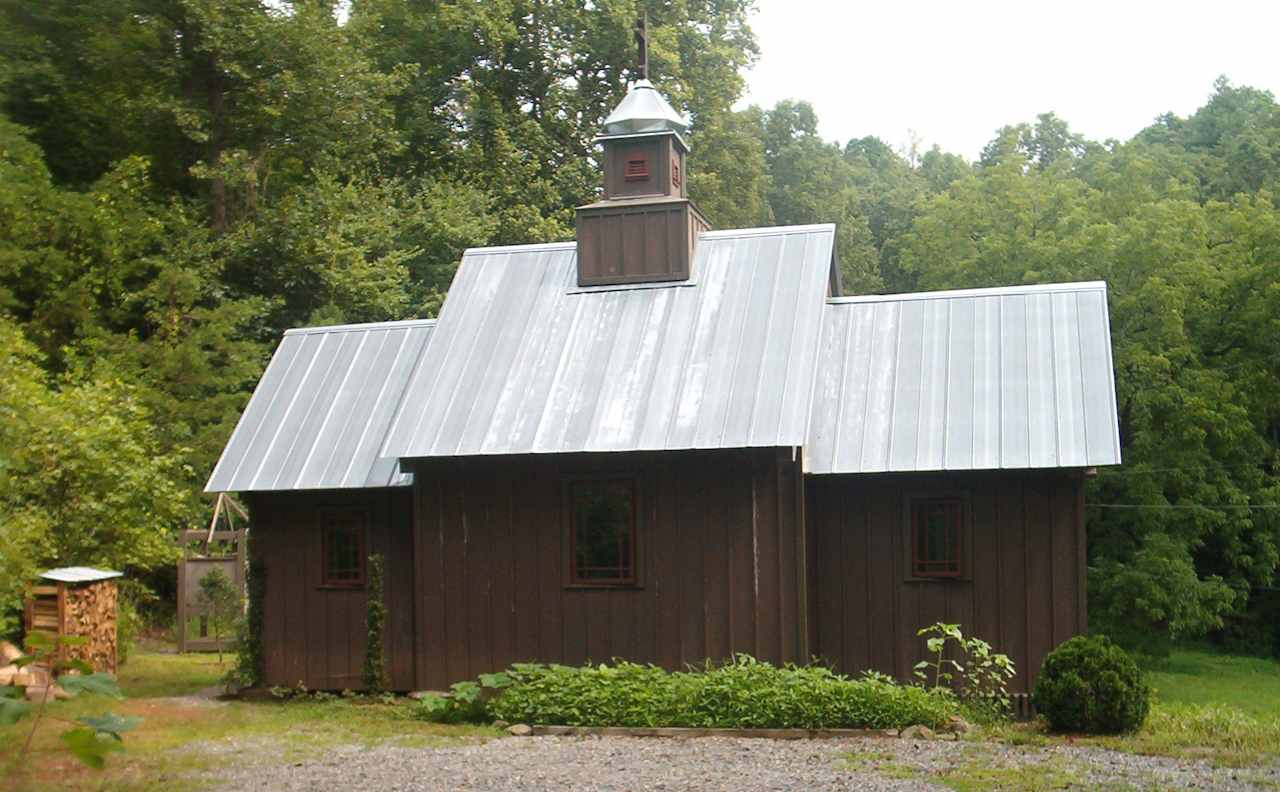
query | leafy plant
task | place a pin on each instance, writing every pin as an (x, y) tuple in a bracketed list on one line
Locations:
[(375, 669), (1090, 685), (250, 668), (466, 701), (741, 693), (980, 675), (222, 604), (92, 737)]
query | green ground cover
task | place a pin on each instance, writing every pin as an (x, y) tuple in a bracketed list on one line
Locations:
[(184, 731), (1198, 676)]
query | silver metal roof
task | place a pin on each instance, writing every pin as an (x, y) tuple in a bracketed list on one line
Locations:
[(320, 412), (1017, 377), (79, 575), (644, 109), (524, 361)]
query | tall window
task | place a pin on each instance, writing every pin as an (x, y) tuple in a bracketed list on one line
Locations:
[(936, 524), (342, 547), (602, 535)]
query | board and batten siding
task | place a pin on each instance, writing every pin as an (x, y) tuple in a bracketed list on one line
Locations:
[(1024, 587), (316, 635), (720, 555)]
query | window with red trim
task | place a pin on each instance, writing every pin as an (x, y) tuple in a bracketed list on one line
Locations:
[(342, 547), (936, 526), (602, 531)]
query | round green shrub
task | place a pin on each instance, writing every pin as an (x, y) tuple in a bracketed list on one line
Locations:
[(1090, 685)]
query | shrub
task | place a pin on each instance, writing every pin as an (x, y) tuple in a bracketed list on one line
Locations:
[(1090, 685), (743, 693)]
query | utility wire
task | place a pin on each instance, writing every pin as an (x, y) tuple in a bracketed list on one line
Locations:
[(1250, 506)]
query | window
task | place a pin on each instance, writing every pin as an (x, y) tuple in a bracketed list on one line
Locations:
[(602, 532), (342, 547), (637, 168), (936, 524)]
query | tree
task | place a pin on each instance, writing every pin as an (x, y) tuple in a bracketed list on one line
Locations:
[(222, 604)]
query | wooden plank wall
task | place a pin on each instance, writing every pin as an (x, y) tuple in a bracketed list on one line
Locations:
[(718, 545), (1025, 592), (316, 635)]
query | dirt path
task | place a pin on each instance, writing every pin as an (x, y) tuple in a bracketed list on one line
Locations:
[(624, 764)]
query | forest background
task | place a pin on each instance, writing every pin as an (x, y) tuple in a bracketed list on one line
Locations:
[(182, 180)]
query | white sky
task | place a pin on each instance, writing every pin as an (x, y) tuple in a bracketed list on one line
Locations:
[(954, 72)]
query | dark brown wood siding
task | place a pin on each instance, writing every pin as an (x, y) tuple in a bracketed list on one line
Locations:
[(637, 241), (316, 635), (1024, 584), (719, 554)]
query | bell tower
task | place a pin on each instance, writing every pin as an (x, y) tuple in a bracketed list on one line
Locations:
[(644, 228)]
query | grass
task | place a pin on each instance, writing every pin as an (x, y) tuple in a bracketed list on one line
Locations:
[(1194, 676), (181, 738), (1211, 706)]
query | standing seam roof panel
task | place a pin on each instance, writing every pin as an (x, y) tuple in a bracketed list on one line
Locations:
[(523, 361), (321, 411), (1017, 377)]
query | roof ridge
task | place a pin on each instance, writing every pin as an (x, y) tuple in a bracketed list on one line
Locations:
[(351, 328), (991, 291)]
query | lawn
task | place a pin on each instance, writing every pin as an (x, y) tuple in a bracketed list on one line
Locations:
[(1192, 676), (1224, 708), (165, 690)]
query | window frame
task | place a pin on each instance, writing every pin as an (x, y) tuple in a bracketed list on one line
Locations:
[(570, 577), (361, 531), (963, 544)]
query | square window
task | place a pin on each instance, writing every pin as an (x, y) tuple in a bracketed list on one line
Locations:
[(342, 547), (602, 532), (936, 524)]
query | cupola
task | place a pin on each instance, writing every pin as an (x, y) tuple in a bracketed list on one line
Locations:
[(644, 228)]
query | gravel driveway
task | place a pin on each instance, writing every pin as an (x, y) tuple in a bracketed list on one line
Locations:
[(629, 764)]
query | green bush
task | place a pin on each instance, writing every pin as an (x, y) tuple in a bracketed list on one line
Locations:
[(743, 693), (1090, 685)]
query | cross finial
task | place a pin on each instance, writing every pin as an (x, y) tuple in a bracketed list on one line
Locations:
[(642, 44)]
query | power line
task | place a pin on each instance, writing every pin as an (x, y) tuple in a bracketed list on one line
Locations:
[(1250, 506)]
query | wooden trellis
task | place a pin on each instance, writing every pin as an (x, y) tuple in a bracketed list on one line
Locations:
[(202, 553)]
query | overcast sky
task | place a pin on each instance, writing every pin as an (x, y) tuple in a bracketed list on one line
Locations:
[(956, 71)]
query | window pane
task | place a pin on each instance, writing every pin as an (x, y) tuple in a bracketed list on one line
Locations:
[(603, 518), (342, 545), (936, 540)]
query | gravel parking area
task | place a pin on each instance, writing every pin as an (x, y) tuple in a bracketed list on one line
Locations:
[(629, 764)]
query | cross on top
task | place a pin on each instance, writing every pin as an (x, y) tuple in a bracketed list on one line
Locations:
[(642, 45)]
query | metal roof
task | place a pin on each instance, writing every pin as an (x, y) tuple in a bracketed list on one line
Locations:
[(644, 109), (320, 412), (1017, 377), (524, 361), (79, 575)]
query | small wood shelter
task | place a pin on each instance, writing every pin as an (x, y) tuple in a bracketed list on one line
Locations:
[(80, 601), (202, 553)]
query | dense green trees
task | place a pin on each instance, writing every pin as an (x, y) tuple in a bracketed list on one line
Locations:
[(180, 180)]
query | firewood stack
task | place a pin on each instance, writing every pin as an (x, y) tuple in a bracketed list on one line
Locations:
[(91, 612), (82, 602)]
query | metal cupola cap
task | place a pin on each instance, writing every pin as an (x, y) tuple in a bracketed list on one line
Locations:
[(644, 110)]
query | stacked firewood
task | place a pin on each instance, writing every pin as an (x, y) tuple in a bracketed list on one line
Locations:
[(35, 678), (91, 613)]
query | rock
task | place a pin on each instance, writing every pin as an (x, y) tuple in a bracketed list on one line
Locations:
[(500, 724), (9, 652), (891, 732), (958, 725), (521, 730), (917, 732)]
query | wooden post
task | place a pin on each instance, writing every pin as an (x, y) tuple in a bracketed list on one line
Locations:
[(182, 601)]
